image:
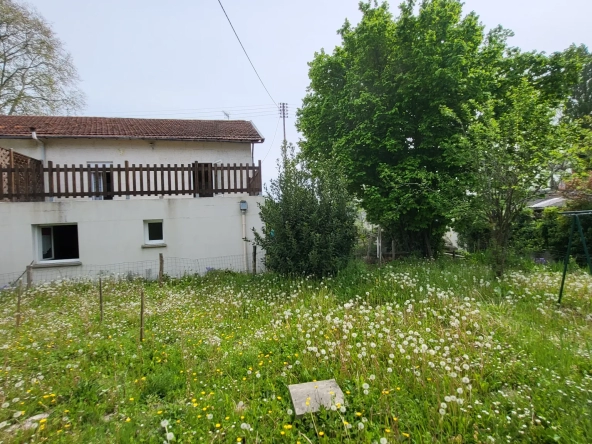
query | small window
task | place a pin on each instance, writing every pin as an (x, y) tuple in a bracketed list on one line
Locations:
[(58, 242), (153, 232)]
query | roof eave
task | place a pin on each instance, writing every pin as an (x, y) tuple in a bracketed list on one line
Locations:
[(176, 139)]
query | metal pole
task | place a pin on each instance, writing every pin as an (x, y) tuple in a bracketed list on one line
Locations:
[(254, 259), (571, 231), (583, 239)]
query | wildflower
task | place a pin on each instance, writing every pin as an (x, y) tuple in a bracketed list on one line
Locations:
[(321, 433), (128, 419), (360, 426), (383, 440), (164, 423), (170, 436)]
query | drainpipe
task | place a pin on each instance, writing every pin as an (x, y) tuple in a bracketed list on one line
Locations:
[(243, 207)]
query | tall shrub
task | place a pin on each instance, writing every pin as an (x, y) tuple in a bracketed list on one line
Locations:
[(308, 220)]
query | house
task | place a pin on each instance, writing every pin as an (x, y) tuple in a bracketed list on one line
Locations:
[(86, 192)]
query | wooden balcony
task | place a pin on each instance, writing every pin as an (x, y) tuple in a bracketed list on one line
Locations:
[(33, 182)]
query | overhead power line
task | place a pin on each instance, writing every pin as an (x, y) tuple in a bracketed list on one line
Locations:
[(245, 51), (273, 140)]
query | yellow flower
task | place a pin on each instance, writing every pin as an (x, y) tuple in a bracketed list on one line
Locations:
[(159, 412), (406, 435), (131, 399), (288, 426), (127, 419), (387, 430), (43, 420), (358, 414), (217, 426), (282, 433), (239, 440), (321, 433), (279, 397)]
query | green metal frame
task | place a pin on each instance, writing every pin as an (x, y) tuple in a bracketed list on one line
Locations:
[(575, 215)]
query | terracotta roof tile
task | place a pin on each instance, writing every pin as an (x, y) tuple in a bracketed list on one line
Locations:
[(119, 128)]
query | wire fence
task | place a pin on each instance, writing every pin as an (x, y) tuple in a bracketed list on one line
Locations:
[(149, 270)]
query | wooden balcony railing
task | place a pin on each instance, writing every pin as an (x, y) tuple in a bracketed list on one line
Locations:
[(106, 181)]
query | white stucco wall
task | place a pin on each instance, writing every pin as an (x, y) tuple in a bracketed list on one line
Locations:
[(81, 151), (112, 232)]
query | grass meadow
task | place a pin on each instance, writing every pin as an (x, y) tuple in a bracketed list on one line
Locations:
[(424, 352)]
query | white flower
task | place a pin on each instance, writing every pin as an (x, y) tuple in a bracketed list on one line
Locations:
[(383, 440), (443, 405), (365, 386), (459, 390), (164, 423), (5, 405), (360, 426), (465, 380), (170, 436), (442, 412), (17, 414), (245, 426), (209, 416), (289, 411), (372, 377)]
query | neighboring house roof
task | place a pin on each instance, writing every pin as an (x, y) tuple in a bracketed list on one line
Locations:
[(548, 202), (18, 127)]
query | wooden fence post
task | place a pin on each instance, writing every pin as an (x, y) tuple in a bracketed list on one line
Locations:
[(101, 297), (160, 268), (18, 305), (29, 276), (141, 315), (254, 259)]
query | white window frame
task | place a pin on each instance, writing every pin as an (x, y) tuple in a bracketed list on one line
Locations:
[(38, 233), (147, 241)]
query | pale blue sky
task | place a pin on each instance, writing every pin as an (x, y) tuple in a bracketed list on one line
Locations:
[(180, 59)]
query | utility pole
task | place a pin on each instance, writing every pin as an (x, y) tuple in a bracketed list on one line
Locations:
[(283, 108)]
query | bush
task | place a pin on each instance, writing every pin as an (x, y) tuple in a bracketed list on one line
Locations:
[(308, 220)]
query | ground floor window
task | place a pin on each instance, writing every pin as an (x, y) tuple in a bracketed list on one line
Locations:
[(153, 232), (58, 242)]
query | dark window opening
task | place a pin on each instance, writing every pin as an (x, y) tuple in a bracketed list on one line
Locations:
[(155, 231), (59, 242), (204, 180), (102, 185)]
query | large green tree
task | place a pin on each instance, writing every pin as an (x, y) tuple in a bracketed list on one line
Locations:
[(390, 104)]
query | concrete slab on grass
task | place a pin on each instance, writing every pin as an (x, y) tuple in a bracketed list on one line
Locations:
[(310, 396)]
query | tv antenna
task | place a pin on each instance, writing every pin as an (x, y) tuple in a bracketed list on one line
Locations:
[(227, 115)]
